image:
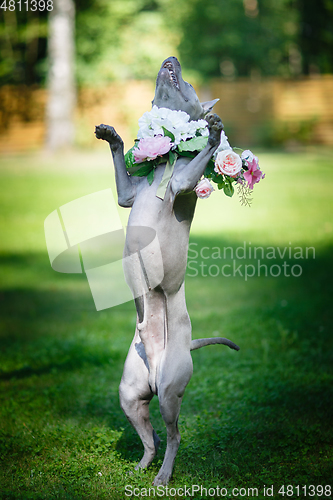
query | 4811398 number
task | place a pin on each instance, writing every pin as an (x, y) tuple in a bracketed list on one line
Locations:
[(27, 5), (310, 490)]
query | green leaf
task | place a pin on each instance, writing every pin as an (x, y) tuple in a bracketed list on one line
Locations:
[(194, 144), (167, 133), (129, 158), (142, 170), (210, 172), (150, 177), (228, 188), (144, 167), (189, 154), (211, 164), (172, 157)]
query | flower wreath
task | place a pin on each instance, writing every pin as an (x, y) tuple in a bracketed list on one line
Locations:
[(166, 134)]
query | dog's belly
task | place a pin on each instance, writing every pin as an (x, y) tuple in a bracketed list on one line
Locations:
[(169, 221)]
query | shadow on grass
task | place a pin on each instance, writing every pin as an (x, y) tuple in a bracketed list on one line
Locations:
[(264, 412), (44, 330)]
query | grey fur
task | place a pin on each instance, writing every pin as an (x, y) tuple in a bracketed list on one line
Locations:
[(159, 360)]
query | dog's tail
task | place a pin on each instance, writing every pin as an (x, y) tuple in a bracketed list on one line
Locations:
[(197, 343)]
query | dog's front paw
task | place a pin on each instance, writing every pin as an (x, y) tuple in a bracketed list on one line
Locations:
[(109, 134), (215, 126)]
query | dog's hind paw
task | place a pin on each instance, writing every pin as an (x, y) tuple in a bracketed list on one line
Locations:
[(162, 478)]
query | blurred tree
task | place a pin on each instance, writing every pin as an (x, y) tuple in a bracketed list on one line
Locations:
[(22, 44), (316, 35), (234, 37), (120, 39), (114, 40), (61, 81)]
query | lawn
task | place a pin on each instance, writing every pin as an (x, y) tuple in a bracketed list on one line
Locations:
[(253, 423)]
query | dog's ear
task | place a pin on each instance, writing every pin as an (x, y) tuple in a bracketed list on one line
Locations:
[(208, 105)]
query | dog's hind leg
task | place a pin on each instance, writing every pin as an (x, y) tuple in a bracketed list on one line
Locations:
[(151, 327), (135, 396), (175, 373), (170, 397)]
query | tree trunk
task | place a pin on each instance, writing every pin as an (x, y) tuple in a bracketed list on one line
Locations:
[(61, 85)]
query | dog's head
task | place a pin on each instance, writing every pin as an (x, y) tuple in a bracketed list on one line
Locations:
[(173, 92)]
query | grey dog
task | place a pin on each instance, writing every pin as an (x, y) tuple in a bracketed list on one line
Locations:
[(159, 360)]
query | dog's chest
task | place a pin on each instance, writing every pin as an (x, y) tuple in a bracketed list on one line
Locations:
[(150, 210)]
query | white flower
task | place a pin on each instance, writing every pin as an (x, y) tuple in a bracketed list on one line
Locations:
[(145, 129), (145, 124), (249, 156), (203, 126), (177, 118), (178, 123), (224, 144), (192, 128)]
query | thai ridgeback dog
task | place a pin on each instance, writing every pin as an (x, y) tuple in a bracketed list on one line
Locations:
[(159, 360)]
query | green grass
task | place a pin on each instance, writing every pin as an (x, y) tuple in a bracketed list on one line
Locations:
[(254, 418)]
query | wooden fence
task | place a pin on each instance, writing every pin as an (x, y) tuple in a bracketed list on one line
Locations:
[(277, 111), (267, 112)]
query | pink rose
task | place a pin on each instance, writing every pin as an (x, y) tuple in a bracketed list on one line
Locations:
[(150, 148), (228, 162), (204, 189)]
